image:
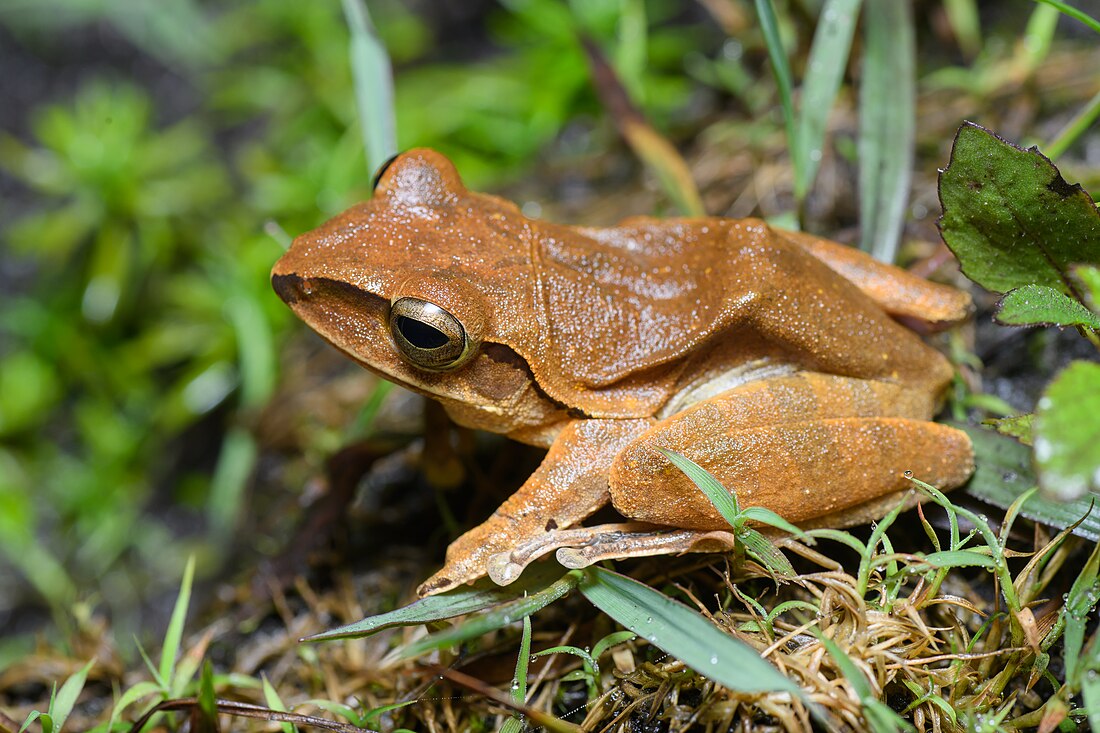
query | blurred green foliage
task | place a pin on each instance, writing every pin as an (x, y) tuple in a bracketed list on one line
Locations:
[(138, 343)]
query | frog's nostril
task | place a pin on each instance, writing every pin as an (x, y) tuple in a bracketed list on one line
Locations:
[(291, 288)]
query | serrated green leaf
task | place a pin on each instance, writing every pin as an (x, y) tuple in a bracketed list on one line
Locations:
[(1017, 426), (1067, 433), (458, 602), (1003, 471), (1010, 217), (683, 633), (1040, 305), (497, 618)]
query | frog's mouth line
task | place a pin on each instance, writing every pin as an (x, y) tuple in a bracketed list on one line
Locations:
[(355, 322)]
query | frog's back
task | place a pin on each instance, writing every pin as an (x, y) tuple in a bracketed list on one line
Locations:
[(637, 311)]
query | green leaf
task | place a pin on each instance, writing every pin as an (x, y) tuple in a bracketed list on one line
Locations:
[(497, 618), (763, 550), (458, 602), (777, 54), (824, 71), (1074, 13), (1088, 276), (724, 501), (770, 518), (880, 717), (1010, 217), (1003, 471), (887, 125), (1080, 601), (1067, 433), (959, 559), (170, 651), (1017, 426), (683, 633), (1041, 305), (370, 65), (62, 703)]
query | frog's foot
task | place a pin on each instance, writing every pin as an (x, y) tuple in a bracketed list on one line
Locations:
[(583, 546)]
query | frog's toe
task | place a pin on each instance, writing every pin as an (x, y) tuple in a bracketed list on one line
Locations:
[(502, 570), (438, 583)]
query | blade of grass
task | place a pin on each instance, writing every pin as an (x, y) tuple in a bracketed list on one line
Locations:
[(887, 103), (1068, 135), (962, 15), (769, 25), (824, 72), (497, 618), (724, 501), (174, 634), (370, 66), (458, 602), (880, 717), (682, 632), (1074, 13), (519, 682)]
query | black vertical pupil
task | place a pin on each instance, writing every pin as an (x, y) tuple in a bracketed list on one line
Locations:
[(420, 334)]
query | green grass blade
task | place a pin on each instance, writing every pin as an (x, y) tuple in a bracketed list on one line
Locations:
[(236, 460), (770, 518), (879, 716), (769, 25), (519, 683), (174, 634), (1074, 13), (763, 550), (1079, 604), (458, 602), (1076, 127), (497, 618), (959, 559), (724, 501), (370, 65), (824, 73), (963, 17), (682, 632), (609, 641), (887, 125), (63, 701)]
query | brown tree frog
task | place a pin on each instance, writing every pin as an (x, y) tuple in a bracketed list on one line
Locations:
[(773, 359)]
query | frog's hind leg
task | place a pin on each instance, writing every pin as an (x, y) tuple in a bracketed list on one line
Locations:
[(807, 446)]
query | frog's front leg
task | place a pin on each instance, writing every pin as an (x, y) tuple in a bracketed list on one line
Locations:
[(569, 484)]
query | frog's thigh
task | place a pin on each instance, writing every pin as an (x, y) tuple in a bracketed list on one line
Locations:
[(806, 446)]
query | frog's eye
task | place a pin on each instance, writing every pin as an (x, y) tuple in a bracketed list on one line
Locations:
[(428, 336), (382, 171)]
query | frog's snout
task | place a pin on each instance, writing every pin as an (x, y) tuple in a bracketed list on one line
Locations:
[(291, 288)]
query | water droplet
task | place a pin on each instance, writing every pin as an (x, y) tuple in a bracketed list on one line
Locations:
[(714, 659), (908, 474), (649, 619)]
